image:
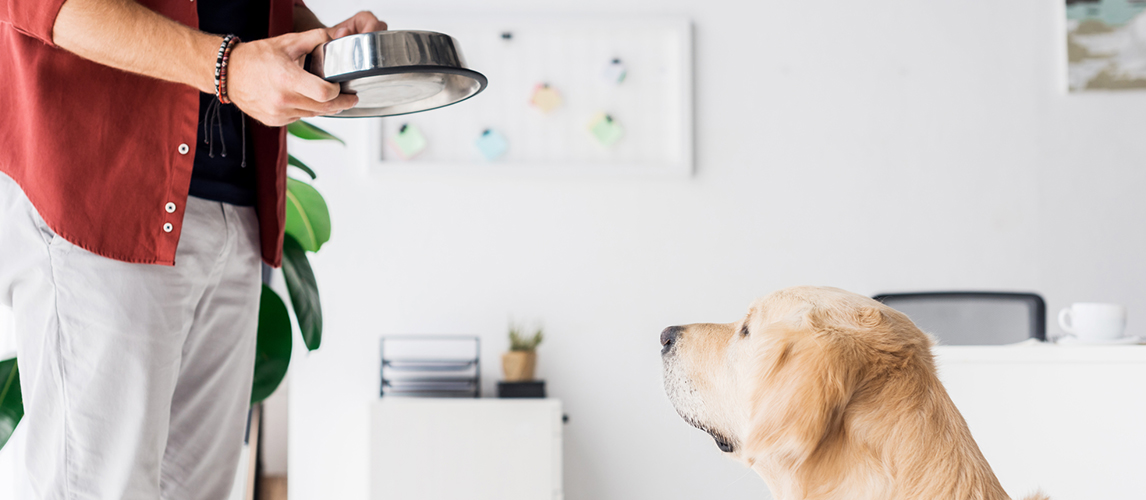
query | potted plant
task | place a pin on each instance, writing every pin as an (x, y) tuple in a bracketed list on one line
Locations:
[(519, 362)]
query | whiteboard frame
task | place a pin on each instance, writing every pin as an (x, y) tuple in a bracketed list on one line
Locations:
[(370, 153)]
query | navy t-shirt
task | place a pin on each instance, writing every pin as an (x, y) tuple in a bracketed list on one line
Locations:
[(217, 177)]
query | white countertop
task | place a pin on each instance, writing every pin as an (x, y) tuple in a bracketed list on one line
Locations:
[(1041, 352)]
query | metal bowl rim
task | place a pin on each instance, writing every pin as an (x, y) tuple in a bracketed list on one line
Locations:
[(420, 68)]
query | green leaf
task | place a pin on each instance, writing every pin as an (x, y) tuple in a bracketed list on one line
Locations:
[(11, 403), (272, 349), (307, 218), (303, 292), (304, 130), (291, 160)]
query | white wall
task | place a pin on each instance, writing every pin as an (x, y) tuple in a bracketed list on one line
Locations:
[(7, 457), (876, 146)]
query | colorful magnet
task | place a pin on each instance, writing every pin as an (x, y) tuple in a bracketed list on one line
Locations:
[(605, 129), (545, 98), (615, 72), (408, 142), (492, 144)]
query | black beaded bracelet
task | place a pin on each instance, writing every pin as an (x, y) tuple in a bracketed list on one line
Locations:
[(221, 67)]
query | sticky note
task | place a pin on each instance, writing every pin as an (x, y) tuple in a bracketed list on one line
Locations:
[(615, 72), (605, 129), (408, 142), (492, 144), (545, 98)]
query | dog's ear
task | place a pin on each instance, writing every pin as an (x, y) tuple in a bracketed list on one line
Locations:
[(806, 380)]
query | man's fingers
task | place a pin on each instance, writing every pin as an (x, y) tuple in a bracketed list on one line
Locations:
[(311, 86), (370, 23), (301, 107), (374, 25), (309, 107), (301, 44), (343, 101), (366, 22), (362, 22)]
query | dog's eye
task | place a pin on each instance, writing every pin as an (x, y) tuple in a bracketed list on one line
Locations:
[(744, 330)]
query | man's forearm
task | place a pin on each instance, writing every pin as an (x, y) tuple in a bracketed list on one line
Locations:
[(128, 36), (264, 79)]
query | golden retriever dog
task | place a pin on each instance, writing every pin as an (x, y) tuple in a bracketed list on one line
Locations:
[(827, 395)]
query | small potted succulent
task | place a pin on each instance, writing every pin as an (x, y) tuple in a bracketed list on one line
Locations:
[(519, 362)]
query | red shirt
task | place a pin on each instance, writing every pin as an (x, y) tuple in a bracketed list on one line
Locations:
[(104, 155)]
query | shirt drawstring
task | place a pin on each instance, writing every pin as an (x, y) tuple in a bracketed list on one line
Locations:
[(212, 118)]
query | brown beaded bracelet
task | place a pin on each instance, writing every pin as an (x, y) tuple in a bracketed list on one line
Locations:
[(221, 60)]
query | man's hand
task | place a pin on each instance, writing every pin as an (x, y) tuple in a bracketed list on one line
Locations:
[(362, 22), (266, 80)]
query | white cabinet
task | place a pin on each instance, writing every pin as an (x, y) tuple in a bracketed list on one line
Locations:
[(1067, 420), (465, 449)]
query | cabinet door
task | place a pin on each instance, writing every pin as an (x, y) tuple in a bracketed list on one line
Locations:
[(479, 449)]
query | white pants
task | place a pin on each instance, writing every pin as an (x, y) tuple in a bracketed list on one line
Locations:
[(136, 378)]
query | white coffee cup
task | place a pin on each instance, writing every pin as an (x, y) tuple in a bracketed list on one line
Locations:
[(1093, 321)]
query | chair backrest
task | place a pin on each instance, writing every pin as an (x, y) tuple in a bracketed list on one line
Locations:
[(973, 318)]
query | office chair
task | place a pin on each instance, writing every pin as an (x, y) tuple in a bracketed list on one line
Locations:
[(973, 318)]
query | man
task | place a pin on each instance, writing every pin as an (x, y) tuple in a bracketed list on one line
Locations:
[(135, 205)]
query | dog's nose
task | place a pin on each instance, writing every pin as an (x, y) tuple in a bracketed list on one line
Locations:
[(668, 338)]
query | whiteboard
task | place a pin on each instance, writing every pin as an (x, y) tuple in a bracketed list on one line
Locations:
[(575, 56)]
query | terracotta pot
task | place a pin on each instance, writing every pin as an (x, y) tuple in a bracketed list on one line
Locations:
[(518, 365)]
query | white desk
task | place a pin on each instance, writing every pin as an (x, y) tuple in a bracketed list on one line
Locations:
[(471, 449), (1068, 420)]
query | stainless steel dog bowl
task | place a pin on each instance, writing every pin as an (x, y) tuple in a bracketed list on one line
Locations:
[(396, 72)]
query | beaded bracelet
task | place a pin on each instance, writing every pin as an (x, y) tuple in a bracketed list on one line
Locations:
[(223, 74), (219, 60), (229, 43)]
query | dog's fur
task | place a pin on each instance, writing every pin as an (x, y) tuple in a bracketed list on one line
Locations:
[(828, 395)]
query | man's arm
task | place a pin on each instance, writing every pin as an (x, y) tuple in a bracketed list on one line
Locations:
[(128, 36), (264, 77)]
